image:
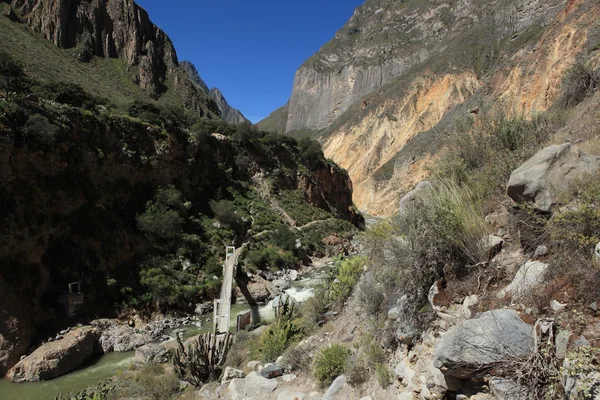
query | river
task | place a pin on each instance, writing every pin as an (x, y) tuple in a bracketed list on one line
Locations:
[(108, 365)]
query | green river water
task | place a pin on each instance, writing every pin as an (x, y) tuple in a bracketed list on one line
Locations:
[(108, 365)]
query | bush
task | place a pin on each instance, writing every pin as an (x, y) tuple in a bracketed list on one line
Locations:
[(225, 212), (281, 334), (577, 226), (12, 74), (347, 273), (578, 82), (297, 358), (68, 93), (40, 129), (169, 287), (270, 258), (163, 220), (330, 363), (483, 155)]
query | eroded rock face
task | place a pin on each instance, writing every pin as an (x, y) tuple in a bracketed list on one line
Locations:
[(56, 358), (384, 39), (421, 191), (548, 172), (116, 29), (472, 345)]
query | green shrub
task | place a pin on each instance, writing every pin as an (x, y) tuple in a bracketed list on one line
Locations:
[(40, 129), (450, 220), (270, 258), (284, 238), (226, 213), (12, 75), (163, 221), (151, 382), (384, 376), (295, 204), (280, 335), (483, 155), (68, 93), (347, 273), (577, 226), (579, 81), (330, 363), (170, 287)]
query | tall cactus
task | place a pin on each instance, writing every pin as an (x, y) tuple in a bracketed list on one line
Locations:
[(201, 362)]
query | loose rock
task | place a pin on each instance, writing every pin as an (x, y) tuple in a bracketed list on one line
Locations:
[(548, 172), (530, 275), (335, 387), (472, 345), (56, 358)]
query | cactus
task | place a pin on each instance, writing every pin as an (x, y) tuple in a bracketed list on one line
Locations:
[(203, 359)]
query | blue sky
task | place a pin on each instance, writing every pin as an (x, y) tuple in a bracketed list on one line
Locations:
[(250, 49)]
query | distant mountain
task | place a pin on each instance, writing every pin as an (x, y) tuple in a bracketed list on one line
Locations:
[(228, 113)]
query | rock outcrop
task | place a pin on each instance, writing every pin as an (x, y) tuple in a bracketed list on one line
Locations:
[(226, 112), (473, 345), (419, 192), (117, 29), (384, 39), (550, 171), (386, 91), (56, 358)]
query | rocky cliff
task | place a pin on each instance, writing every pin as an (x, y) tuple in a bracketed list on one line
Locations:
[(114, 30), (383, 94), (228, 113)]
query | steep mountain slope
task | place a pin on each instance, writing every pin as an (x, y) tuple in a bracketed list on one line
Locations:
[(399, 70), (136, 206), (228, 113), (111, 48)]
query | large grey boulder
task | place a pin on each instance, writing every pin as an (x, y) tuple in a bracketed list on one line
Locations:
[(421, 190), (473, 345), (530, 275), (335, 387), (151, 352), (56, 358), (549, 171)]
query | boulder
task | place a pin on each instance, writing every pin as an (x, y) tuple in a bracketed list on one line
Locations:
[(530, 275), (335, 387), (549, 171), (151, 352), (56, 358), (231, 374), (597, 255), (422, 189), (272, 371), (473, 345), (120, 338), (541, 251), (285, 395), (253, 386), (505, 389), (404, 372)]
